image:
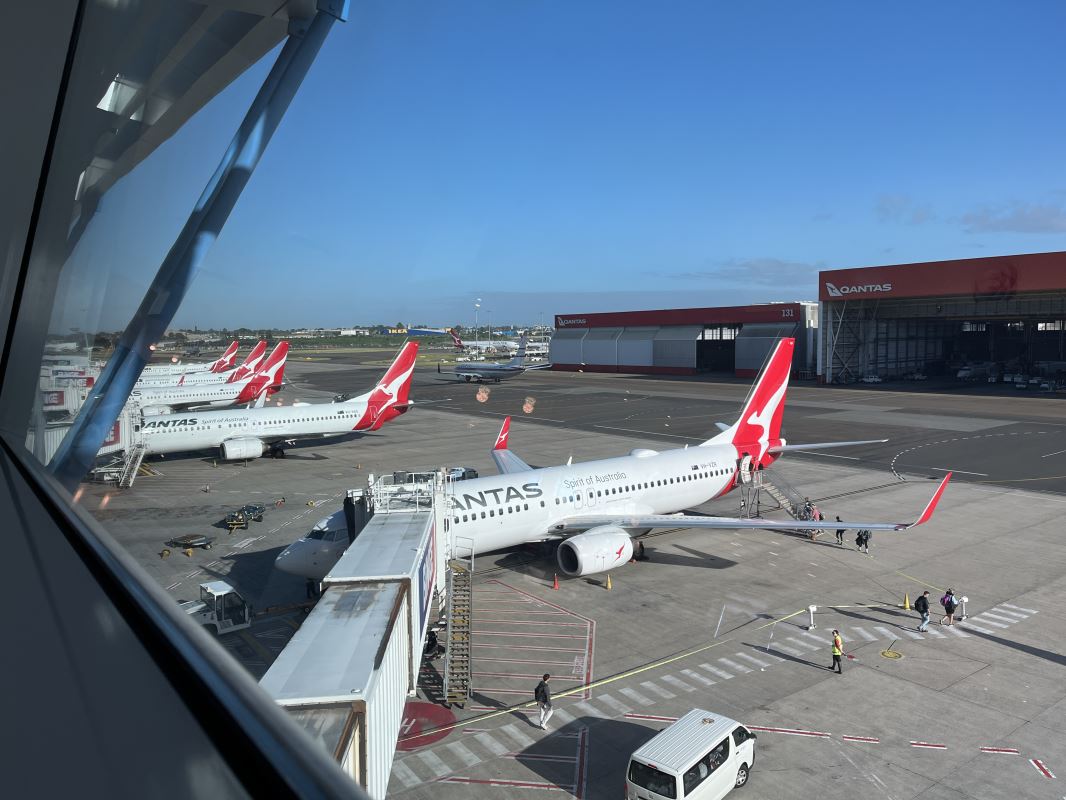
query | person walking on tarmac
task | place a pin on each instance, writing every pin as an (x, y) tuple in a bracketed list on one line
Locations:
[(921, 605), (543, 695), (840, 532), (838, 651)]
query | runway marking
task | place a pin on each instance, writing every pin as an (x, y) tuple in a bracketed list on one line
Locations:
[(911, 634), (935, 633), (587, 708), (784, 648), (954, 629), (1008, 750), (886, 632), (985, 621), (693, 675), (1001, 617), (651, 687), (523, 635), (791, 731), (491, 744), (527, 661), (733, 665), (650, 433), (405, 774), (652, 717), (1019, 608), (863, 633), (815, 637), (636, 696), (756, 661), (433, 763), (677, 683), (721, 673), (1041, 768), (806, 645), (827, 455), (1014, 615), (551, 787), (529, 647), (174, 586), (512, 731), (960, 471), (862, 739), (929, 745), (562, 715), (1057, 452)]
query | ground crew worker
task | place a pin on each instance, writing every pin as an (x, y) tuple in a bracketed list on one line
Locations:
[(838, 651)]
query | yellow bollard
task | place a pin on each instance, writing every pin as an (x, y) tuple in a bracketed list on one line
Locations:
[(906, 601), (608, 581)]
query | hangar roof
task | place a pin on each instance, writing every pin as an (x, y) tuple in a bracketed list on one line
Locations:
[(725, 315), (995, 276)]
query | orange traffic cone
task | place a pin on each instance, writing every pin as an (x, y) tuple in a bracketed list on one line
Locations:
[(608, 581), (555, 583)]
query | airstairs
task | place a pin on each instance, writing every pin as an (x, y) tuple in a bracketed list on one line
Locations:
[(787, 497), (134, 457), (459, 612)]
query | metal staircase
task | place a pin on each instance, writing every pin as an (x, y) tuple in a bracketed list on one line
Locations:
[(459, 611), (134, 457)]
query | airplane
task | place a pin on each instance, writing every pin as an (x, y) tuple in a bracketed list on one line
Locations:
[(483, 347), (251, 363), (242, 434), (595, 509), (265, 381), (493, 371), (223, 362)]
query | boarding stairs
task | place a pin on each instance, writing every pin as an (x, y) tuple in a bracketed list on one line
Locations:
[(790, 499), (459, 611), (134, 457)]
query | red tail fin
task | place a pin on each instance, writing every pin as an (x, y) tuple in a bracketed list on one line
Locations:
[(227, 359), (389, 398), (250, 364), (505, 431), (269, 375), (456, 339), (759, 425)]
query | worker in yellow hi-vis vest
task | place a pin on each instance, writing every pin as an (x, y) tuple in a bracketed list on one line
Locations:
[(838, 651)]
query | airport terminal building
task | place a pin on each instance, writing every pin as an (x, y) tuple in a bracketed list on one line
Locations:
[(996, 316), (684, 341)]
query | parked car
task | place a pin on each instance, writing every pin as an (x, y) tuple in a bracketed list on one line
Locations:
[(462, 473), (870, 379)]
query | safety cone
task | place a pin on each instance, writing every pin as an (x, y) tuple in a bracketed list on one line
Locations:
[(555, 583), (906, 602), (608, 581)]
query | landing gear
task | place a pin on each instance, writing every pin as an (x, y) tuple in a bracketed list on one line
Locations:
[(277, 452), (467, 378)]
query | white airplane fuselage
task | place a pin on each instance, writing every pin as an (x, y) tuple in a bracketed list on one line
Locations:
[(506, 510)]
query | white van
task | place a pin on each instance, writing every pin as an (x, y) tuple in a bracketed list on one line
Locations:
[(702, 756)]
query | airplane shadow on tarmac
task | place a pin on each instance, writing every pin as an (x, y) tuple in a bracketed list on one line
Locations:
[(255, 569), (696, 559)]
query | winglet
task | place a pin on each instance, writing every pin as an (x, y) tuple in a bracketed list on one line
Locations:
[(931, 505), (505, 431)]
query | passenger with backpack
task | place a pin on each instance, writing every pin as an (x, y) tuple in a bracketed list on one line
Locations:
[(950, 604), (862, 541), (921, 605), (542, 694)]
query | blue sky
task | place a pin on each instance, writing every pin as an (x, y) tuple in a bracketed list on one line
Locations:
[(560, 157)]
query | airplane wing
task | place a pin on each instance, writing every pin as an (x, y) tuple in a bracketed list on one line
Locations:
[(578, 523), (506, 461), (537, 366), (785, 448)]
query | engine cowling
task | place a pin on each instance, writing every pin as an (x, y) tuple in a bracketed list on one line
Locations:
[(242, 449), (595, 550)]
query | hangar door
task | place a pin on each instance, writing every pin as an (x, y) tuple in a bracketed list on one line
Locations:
[(600, 347), (755, 343), (635, 347), (675, 346), (566, 345)]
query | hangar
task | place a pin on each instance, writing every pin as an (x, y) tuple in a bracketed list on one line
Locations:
[(979, 318), (684, 341)]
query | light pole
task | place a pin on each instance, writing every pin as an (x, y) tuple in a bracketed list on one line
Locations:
[(477, 340)]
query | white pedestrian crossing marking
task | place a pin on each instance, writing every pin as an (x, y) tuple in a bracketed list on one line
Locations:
[(911, 634), (659, 690), (405, 775), (693, 675), (463, 754), (733, 665), (864, 634), (888, 633), (934, 632), (677, 683), (614, 704), (1017, 615), (756, 661), (814, 637), (784, 648), (493, 745), (560, 715), (1000, 617), (588, 709), (803, 644), (986, 621), (517, 735), (955, 630), (978, 628), (434, 764), (636, 696), (721, 673), (1019, 608)]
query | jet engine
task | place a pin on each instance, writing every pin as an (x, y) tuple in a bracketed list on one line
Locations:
[(595, 550), (240, 449)]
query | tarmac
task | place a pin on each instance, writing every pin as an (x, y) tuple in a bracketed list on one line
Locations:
[(712, 620)]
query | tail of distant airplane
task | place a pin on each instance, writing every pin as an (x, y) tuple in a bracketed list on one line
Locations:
[(253, 361), (388, 399), (268, 377), (520, 355), (758, 428), (227, 359), (455, 338)]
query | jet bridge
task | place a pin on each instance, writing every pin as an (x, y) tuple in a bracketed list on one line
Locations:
[(347, 674)]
